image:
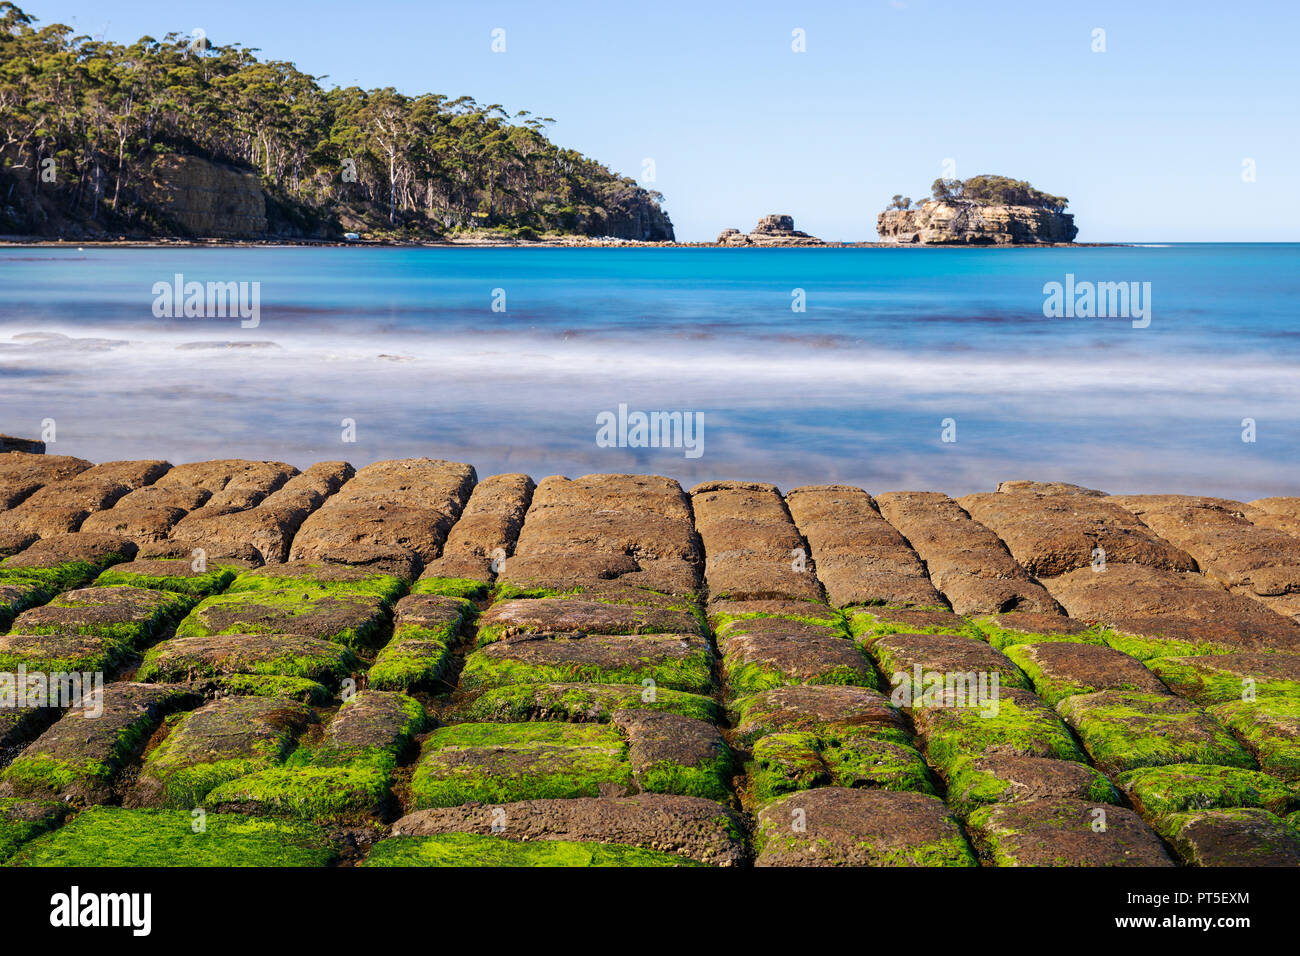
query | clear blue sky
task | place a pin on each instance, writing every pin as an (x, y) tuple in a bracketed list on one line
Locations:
[(1147, 139)]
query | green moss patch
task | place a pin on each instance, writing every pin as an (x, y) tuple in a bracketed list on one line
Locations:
[(582, 702), (1239, 836), (271, 685), (1123, 731), (17, 594), (466, 588), (23, 820), (170, 574), (823, 710), (219, 742), (60, 653), (1270, 729), (786, 762), (868, 624), (1220, 678), (467, 849), (675, 662), (1064, 832), (1016, 723), (353, 620), (320, 580), (1004, 631), (978, 781), (1156, 791), (126, 616), (109, 836), (502, 763)]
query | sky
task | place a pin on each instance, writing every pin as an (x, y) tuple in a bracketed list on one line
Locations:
[(1183, 128)]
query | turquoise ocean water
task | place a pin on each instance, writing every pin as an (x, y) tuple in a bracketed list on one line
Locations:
[(856, 388)]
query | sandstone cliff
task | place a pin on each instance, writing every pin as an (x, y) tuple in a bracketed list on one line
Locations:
[(958, 222), (206, 199), (773, 230)]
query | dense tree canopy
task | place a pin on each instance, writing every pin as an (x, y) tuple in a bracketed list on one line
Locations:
[(1000, 190), (415, 164)]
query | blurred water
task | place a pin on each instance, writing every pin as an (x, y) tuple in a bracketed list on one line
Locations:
[(854, 389)]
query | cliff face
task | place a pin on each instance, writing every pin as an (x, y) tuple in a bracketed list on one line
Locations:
[(635, 215), (968, 223), (204, 198)]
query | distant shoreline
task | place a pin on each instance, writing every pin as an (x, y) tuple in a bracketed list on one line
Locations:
[(21, 242)]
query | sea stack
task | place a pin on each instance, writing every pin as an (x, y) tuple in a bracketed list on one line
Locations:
[(774, 230)]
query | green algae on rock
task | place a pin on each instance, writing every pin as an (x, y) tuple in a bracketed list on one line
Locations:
[(110, 836), (1219, 678), (127, 616), (352, 620), (574, 615), (786, 762), (218, 742), (502, 763), (279, 655), (1064, 832), (838, 826), (1123, 730), (977, 781), (583, 702), (1156, 791), (1240, 836), (818, 709), (347, 778), (23, 820), (467, 588), (762, 653), (320, 579), (1016, 723), (1031, 627), (1270, 729), (467, 849), (173, 574), (1059, 670), (419, 653), (868, 624)]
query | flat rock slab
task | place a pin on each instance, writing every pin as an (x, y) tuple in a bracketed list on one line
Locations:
[(560, 615), (1123, 730), (837, 826), (487, 529), (1270, 729), (1064, 832), (178, 575), (675, 661), (501, 763), (60, 653), (129, 616), (315, 577), (220, 741), (650, 750), (818, 709), (419, 655), (1157, 791), (353, 620), (583, 703), (1052, 534), (471, 850), (1170, 612), (722, 611), (285, 655), (78, 758), (860, 558), (22, 474), (345, 778), (867, 624), (913, 658), (967, 562), (670, 753), (761, 653), (633, 529), (1028, 627), (229, 473), (689, 826), (111, 837), (1059, 669), (751, 545), (1220, 678), (1237, 837), (1006, 778), (1014, 723), (788, 762)]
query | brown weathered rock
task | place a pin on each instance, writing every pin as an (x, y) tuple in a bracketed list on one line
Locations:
[(1061, 832), (966, 561), (487, 529), (1052, 534), (815, 707), (860, 558), (692, 826), (900, 654), (967, 223), (205, 198), (791, 652), (1242, 836), (558, 615), (22, 474)]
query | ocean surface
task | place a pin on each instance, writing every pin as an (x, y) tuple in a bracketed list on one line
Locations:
[(896, 350)]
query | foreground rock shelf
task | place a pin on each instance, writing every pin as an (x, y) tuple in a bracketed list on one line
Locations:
[(404, 665)]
